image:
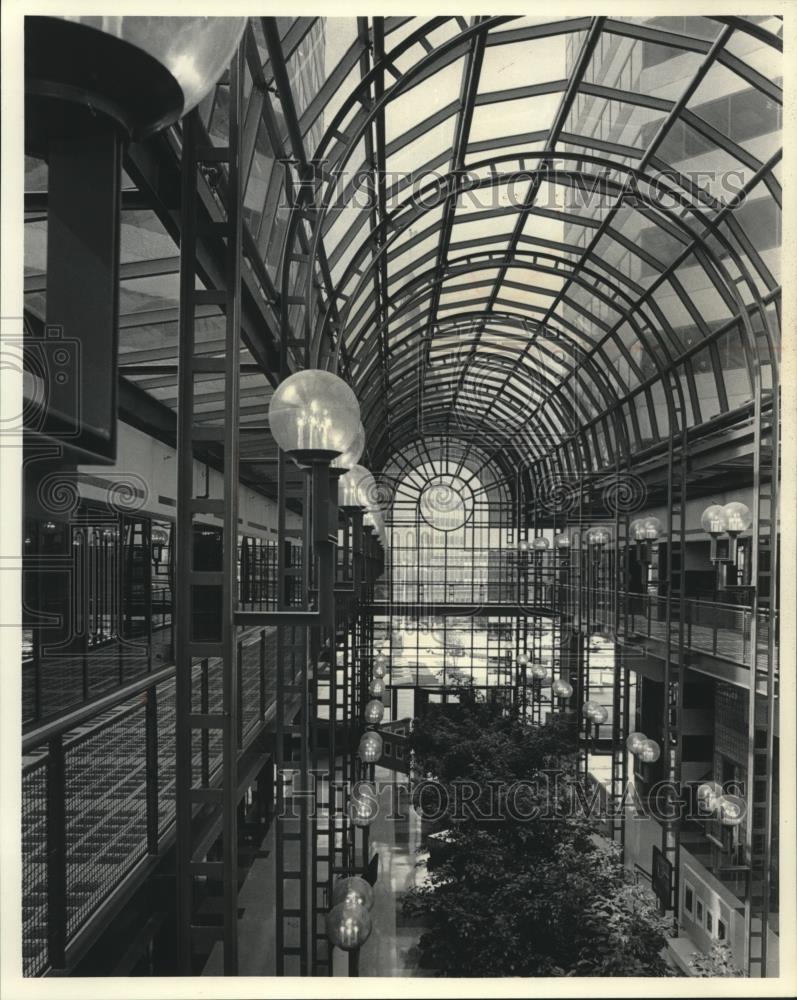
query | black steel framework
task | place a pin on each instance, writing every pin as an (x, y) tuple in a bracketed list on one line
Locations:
[(387, 300)]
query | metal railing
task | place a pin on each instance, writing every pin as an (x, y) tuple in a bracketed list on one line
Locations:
[(98, 793), (722, 630)]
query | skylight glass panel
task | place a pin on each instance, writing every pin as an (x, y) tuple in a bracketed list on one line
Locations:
[(464, 295), (431, 95), (643, 67), (525, 298), (514, 154), (615, 121), (715, 170), (511, 195), (509, 118), (704, 28), (523, 63), (540, 227), (760, 57), (469, 277), (743, 114), (412, 157), (496, 226), (527, 276)]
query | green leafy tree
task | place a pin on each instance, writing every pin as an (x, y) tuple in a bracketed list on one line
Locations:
[(718, 962), (515, 892)]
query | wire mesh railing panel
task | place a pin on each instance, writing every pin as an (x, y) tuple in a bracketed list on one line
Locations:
[(271, 666), (61, 683), (251, 652), (106, 821), (135, 661), (34, 869), (166, 755), (29, 685)]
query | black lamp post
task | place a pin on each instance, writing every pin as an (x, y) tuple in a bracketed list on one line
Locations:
[(731, 519)]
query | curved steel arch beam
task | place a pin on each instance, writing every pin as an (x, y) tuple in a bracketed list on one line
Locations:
[(652, 181), (742, 313), (308, 316), (640, 333)]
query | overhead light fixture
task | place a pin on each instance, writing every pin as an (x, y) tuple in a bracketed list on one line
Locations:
[(314, 413)]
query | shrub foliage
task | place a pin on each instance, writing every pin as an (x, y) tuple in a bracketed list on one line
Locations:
[(508, 895)]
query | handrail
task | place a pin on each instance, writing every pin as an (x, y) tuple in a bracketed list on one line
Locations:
[(88, 711), (91, 709)]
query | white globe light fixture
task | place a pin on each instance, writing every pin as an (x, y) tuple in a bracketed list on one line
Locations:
[(708, 795), (653, 528), (374, 712), (562, 689), (314, 412), (353, 890), (349, 458), (349, 495), (539, 545), (635, 742), (348, 926), (362, 807), (562, 542), (597, 713), (732, 810), (649, 752), (715, 523), (146, 71), (637, 529), (370, 748), (740, 518)]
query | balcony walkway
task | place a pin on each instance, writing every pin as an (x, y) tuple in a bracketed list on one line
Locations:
[(106, 791)]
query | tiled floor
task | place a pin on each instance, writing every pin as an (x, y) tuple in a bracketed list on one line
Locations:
[(395, 837), (391, 949)]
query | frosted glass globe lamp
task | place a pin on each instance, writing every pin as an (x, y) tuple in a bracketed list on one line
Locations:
[(354, 891), (374, 712), (562, 689), (649, 752), (635, 742), (314, 413), (732, 810), (370, 748), (348, 926)]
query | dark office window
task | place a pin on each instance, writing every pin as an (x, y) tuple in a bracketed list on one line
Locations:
[(689, 900), (207, 548), (699, 695), (698, 747)]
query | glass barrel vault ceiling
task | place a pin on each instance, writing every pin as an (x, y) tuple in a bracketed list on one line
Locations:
[(527, 234)]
